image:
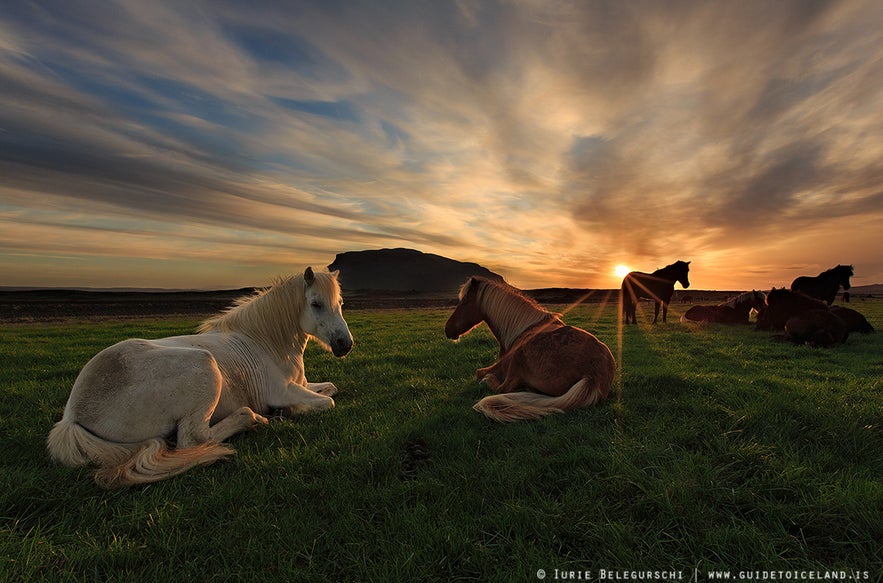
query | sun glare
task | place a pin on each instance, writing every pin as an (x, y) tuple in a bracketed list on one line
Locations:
[(621, 270)]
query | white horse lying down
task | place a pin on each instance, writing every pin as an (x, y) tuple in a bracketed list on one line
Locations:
[(201, 389)]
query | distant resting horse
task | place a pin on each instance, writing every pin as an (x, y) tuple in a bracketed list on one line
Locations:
[(203, 388), (734, 311), (782, 305), (565, 367), (855, 321), (819, 327), (825, 285), (658, 286)]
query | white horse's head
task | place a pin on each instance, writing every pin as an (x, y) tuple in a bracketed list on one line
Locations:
[(322, 317)]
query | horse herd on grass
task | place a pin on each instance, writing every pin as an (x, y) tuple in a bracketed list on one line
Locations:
[(131, 399), (803, 314)]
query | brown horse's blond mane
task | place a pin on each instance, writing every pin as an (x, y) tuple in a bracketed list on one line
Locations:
[(507, 310)]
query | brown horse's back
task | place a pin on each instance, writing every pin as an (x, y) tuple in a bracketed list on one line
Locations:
[(552, 361)]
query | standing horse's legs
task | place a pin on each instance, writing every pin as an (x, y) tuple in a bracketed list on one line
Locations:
[(656, 312), (664, 311)]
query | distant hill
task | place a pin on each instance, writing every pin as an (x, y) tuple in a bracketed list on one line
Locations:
[(867, 290), (404, 270)]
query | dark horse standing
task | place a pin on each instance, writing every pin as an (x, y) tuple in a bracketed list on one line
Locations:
[(825, 285), (657, 286)]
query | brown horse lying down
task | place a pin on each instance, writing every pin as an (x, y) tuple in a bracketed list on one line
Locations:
[(816, 327), (733, 311), (782, 305), (855, 321), (565, 367)]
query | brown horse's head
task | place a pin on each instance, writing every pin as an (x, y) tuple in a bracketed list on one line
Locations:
[(468, 313), (682, 269), (843, 273)]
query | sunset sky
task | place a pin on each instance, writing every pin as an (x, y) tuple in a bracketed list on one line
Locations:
[(218, 144)]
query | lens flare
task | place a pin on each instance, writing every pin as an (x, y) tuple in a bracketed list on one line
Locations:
[(621, 270)]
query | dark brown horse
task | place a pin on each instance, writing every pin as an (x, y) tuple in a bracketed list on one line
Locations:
[(825, 285), (733, 311), (816, 327), (657, 286), (564, 367), (855, 321), (783, 304)]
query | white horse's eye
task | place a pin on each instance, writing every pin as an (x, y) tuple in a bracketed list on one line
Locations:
[(317, 305)]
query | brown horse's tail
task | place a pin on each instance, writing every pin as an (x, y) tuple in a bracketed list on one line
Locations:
[(127, 464), (515, 406)]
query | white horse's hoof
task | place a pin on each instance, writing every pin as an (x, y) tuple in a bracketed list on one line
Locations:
[(326, 389), (250, 418)]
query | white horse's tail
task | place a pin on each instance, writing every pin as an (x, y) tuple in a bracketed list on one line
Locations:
[(127, 464), (514, 406)]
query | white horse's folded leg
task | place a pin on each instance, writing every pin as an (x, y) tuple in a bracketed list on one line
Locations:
[(327, 389), (240, 420), (294, 399), (195, 430)]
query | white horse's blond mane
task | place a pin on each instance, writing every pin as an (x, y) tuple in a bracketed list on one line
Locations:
[(509, 311), (272, 314)]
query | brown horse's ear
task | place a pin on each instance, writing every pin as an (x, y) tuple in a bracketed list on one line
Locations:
[(309, 276)]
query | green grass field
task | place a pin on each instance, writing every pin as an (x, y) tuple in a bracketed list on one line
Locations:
[(718, 450)]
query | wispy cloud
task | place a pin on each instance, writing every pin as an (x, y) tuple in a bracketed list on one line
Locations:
[(548, 140)]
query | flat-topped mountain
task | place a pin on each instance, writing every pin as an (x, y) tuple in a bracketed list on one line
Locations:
[(404, 270)]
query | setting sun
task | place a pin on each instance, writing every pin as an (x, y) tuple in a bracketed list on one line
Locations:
[(621, 270)]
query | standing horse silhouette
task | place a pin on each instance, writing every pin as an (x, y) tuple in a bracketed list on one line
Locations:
[(657, 286), (734, 311), (565, 367), (203, 388), (825, 285)]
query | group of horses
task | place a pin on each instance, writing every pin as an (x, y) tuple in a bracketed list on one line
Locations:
[(803, 314), (132, 398)]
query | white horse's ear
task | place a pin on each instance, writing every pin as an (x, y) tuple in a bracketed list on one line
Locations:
[(309, 276)]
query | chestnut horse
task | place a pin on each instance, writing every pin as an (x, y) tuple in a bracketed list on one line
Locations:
[(733, 311), (565, 367), (657, 286), (825, 285)]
